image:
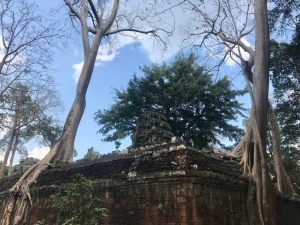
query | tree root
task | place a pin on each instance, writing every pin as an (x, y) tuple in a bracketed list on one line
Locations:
[(284, 185), (15, 212), (260, 194)]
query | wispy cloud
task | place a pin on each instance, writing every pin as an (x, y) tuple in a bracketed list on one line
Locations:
[(76, 53)]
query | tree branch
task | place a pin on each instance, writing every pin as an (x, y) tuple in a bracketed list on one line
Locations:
[(129, 29), (112, 17), (73, 10)]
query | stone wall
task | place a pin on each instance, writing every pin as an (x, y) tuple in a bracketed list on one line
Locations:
[(168, 184)]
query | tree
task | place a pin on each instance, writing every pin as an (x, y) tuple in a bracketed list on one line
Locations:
[(46, 130), (223, 31), (17, 147), (283, 14), (20, 111), (285, 81), (197, 108), (285, 69), (99, 21), (91, 153), (27, 42), (24, 108)]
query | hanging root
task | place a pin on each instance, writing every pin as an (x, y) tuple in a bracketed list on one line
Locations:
[(260, 200), (244, 152), (284, 185)]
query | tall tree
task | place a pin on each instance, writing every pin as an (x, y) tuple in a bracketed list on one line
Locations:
[(99, 21), (19, 113), (286, 83), (284, 69), (284, 20), (197, 107), (24, 108), (18, 147), (223, 31), (27, 41)]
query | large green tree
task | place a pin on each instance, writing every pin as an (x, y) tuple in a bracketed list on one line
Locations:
[(24, 107), (284, 68), (198, 108), (284, 76), (283, 14)]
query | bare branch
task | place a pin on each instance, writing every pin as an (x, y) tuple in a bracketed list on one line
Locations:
[(129, 29), (73, 10), (94, 10), (112, 17)]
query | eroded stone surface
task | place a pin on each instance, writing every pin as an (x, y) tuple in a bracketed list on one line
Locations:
[(166, 184)]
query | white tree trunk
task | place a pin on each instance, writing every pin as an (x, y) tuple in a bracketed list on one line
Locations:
[(13, 154), (8, 150)]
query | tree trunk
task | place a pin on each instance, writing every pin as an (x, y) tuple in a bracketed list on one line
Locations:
[(13, 154), (261, 202), (8, 150), (62, 151), (283, 182)]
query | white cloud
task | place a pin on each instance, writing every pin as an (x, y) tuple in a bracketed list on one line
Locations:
[(155, 49), (104, 55), (231, 61), (39, 153), (76, 74)]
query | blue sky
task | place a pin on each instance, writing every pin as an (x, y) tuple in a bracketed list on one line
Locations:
[(110, 72)]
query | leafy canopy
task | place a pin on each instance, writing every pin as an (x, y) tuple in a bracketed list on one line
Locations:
[(198, 108)]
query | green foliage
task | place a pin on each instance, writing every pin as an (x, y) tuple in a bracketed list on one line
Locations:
[(285, 77), (46, 128), (291, 159), (75, 204), (91, 153), (282, 14), (284, 68), (197, 108)]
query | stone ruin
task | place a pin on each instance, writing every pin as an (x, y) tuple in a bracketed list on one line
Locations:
[(24, 164), (168, 183)]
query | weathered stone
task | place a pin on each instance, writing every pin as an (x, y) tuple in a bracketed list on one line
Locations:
[(184, 186)]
